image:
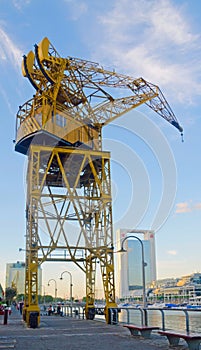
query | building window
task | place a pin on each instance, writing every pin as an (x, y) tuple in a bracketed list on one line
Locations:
[(60, 120), (38, 117)]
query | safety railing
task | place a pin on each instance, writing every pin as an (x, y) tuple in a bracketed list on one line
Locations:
[(171, 318), (73, 311), (186, 319)]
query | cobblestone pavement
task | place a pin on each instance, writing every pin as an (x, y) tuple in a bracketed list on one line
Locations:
[(70, 333)]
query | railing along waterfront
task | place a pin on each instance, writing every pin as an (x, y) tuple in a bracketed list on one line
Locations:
[(166, 318), (184, 319), (75, 310)]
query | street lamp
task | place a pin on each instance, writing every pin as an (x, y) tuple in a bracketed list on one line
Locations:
[(43, 293), (55, 290), (71, 286), (143, 266)]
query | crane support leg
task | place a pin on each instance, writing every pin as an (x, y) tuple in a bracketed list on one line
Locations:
[(100, 237), (107, 270), (31, 310), (90, 287)]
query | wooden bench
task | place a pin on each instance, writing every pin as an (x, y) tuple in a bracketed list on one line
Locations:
[(144, 331), (193, 340)]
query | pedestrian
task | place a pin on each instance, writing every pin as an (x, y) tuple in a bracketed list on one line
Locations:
[(21, 304), (58, 309), (49, 310)]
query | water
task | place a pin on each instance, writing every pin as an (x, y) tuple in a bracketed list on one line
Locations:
[(174, 319)]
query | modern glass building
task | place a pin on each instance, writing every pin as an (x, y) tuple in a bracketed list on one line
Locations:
[(135, 263), (15, 276), (129, 264)]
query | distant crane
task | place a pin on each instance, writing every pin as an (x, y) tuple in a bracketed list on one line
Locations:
[(14, 282), (69, 203)]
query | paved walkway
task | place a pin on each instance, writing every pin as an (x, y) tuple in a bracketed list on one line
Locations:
[(57, 332)]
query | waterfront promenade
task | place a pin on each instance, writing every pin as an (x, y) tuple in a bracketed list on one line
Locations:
[(64, 333)]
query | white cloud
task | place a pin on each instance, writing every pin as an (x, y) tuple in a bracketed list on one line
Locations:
[(172, 252), (9, 52), (183, 207), (197, 206), (76, 8), (187, 207), (6, 99), (153, 39), (168, 23), (159, 21), (19, 4)]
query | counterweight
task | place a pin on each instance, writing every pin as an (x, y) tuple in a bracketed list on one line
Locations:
[(69, 203)]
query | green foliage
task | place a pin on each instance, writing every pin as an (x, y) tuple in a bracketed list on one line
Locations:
[(48, 299), (10, 294), (20, 297)]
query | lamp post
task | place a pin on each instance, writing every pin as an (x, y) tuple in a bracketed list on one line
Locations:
[(143, 268), (71, 289), (55, 289), (43, 293), (71, 285)]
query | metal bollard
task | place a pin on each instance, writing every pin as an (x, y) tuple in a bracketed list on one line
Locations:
[(5, 320), (113, 315), (33, 319)]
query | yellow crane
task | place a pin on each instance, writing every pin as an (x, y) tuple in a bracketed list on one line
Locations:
[(14, 282), (69, 203)]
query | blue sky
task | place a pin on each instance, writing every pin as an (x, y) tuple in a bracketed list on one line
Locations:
[(159, 40)]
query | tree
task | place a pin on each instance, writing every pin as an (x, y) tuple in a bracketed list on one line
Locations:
[(20, 297), (48, 299), (10, 294)]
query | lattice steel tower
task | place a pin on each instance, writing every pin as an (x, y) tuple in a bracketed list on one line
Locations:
[(69, 204)]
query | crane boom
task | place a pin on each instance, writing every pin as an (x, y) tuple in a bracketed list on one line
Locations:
[(86, 91)]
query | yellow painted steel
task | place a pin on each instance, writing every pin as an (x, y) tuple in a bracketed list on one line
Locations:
[(66, 184), (68, 177)]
